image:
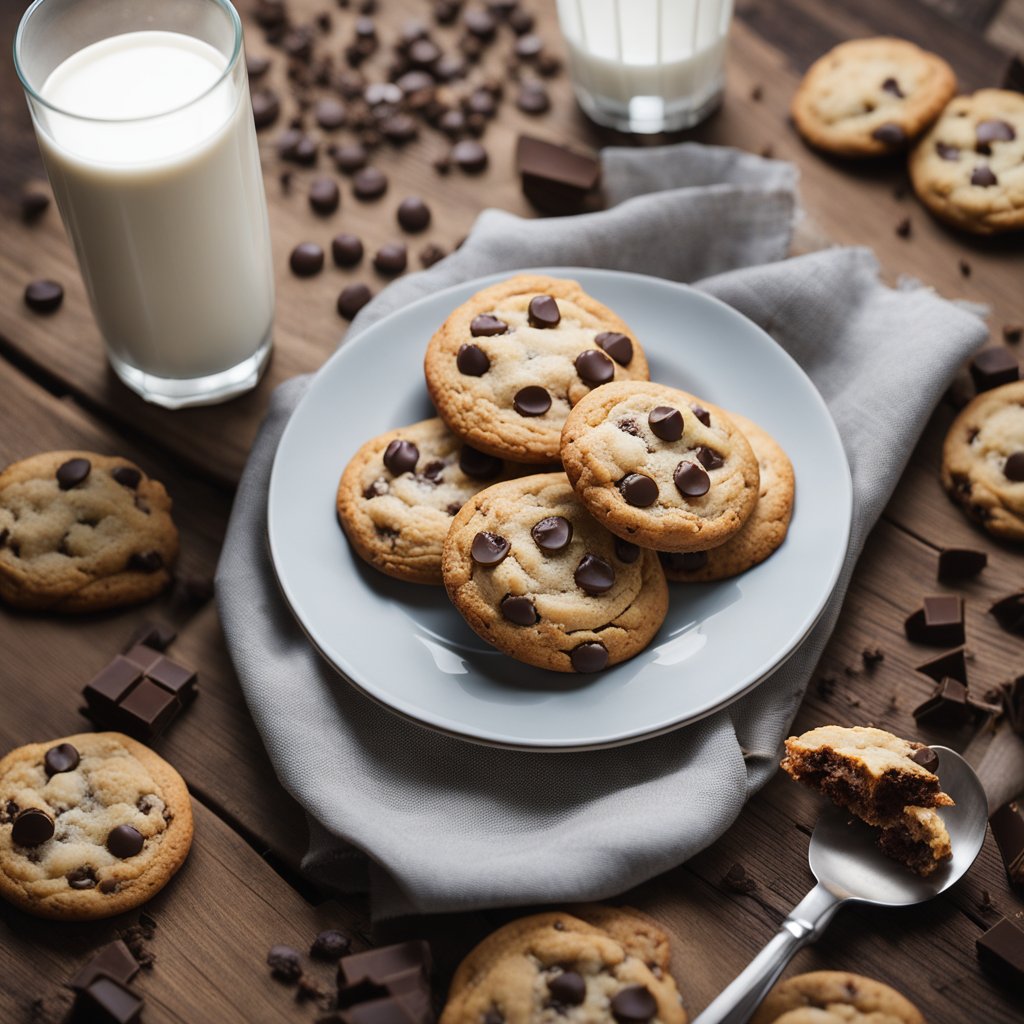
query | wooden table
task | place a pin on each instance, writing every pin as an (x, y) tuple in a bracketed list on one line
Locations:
[(241, 890)]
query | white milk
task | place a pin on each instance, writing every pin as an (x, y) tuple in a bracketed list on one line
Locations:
[(656, 64), (167, 215)]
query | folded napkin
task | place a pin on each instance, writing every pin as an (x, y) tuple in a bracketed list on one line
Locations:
[(429, 823)]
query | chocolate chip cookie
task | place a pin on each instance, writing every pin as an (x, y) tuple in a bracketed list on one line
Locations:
[(983, 461), (761, 534), (969, 169), (555, 966), (868, 97), (536, 576), (90, 826), (81, 532), (835, 997), (507, 366), (398, 494), (660, 467)]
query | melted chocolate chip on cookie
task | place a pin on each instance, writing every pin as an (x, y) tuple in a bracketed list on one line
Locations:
[(487, 326), (589, 657), (127, 476), (594, 367), (594, 576), (983, 177), (72, 473), (532, 400), (617, 345), (708, 457), (691, 480), (478, 465), (702, 414), (401, 457), (666, 422), (472, 361), (124, 841), (639, 490), (543, 312), (519, 610), (61, 758), (32, 827), (552, 534), (489, 549)]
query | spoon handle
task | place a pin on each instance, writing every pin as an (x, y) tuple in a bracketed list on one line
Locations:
[(805, 924)]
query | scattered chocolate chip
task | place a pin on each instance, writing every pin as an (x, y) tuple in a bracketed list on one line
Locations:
[(307, 259), (399, 129), (266, 108), (890, 85), (349, 157), (1013, 468), (666, 422), (872, 658), (532, 400), (452, 123), (633, 1005), (957, 564), (346, 250), (520, 21), (983, 177), (639, 490), (391, 259), (946, 151), (1012, 333), (127, 476), (964, 267), (413, 214), (1009, 613), (702, 414), (479, 23), (947, 707), (401, 457), (32, 827), (285, 963), (903, 227), (533, 98), (72, 473), (625, 551), (567, 988), (430, 254), (889, 134), (691, 479), (324, 196), (992, 367), (330, 945), (43, 296), (683, 561), (478, 465), (588, 657), (940, 622), (472, 361), (487, 326), (257, 66), (926, 758), (124, 841), (145, 561), (33, 205), (543, 312), (330, 113), (528, 46), (708, 457), (594, 575), (594, 367), (469, 156), (61, 758), (82, 878), (489, 549), (552, 534), (352, 299), (369, 183), (415, 82), (519, 610)]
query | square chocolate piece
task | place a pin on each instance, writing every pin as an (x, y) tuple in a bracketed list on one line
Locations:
[(957, 564), (947, 707), (112, 684), (114, 960), (106, 1000), (1008, 829), (939, 623), (174, 677), (148, 710), (555, 179), (952, 665), (1001, 952), (143, 656), (992, 367)]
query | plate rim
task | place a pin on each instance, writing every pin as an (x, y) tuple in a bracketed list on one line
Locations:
[(343, 667)]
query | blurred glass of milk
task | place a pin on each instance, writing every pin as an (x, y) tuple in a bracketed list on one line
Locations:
[(647, 65)]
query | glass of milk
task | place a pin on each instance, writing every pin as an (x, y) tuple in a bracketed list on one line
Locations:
[(142, 113), (646, 65)]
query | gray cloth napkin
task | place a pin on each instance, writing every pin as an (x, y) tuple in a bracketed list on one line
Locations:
[(429, 823)]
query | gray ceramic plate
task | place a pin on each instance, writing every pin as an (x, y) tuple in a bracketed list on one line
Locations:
[(406, 647)]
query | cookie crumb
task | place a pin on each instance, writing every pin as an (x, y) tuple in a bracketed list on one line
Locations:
[(757, 93), (903, 228), (872, 657), (1012, 333), (965, 268)]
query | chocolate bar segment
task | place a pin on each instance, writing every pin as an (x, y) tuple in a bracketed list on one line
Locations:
[(114, 960), (555, 179), (111, 685), (107, 1001), (147, 710), (380, 965), (952, 665), (940, 622), (1009, 613), (1001, 952), (957, 564), (947, 707), (1008, 828)]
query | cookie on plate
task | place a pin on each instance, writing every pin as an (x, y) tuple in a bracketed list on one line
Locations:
[(822, 997), (537, 577), (983, 460), (868, 97), (81, 532), (761, 535), (90, 826), (507, 366), (399, 492), (969, 169), (660, 467), (554, 965)]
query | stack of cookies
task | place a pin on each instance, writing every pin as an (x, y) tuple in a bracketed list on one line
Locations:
[(559, 486)]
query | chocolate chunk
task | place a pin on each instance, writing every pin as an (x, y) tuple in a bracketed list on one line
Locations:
[(1013, 468), (33, 205), (983, 176), (114, 960), (430, 254), (947, 152), (369, 183), (555, 179), (633, 1005), (330, 945), (61, 758), (926, 758), (532, 400), (32, 827), (520, 20), (533, 98), (386, 962), (413, 214), (125, 841), (399, 129), (691, 479), (472, 360), (889, 134), (127, 476), (401, 457), (109, 1002), (307, 259), (72, 473), (960, 564), (1001, 953), (330, 113), (479, 23), (478, 465), (82, 878), (594, 367), (145, 561), (266, 107), (991, 131), (147, 710), (702, 414), (666, 422), (489, 549), (413, 82), (708, 457), (890, 85), (452, 122), (543, 312), (43, 296), (552, 534), (992, 367), (284, 963), (947, 707), (379, 94), (965, 268), (352, 299), (1009, 613), (617, 345), (639, 490), (481, 102), (349, 157), (346, 250), (1013, 76), (903, 227), (324, 196), (625, 551), (940, 622), (952, 665), (176, 678), (594, 576), (1008, 830), (391, 259), (568, 988), (683, 561), (469, 156), (589, 657), (487, 326), (110, 685), (519, 610)]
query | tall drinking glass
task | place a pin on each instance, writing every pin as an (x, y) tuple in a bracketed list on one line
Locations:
[(141, 110)]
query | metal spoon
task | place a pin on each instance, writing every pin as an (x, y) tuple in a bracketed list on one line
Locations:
[(850, 868)]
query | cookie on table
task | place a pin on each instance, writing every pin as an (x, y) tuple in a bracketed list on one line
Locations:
[(553, 966), (983, 461), (81, 532), (507, 366), (765, 530), (969, 169), (90, 826), (660, 467), (868, 97), (538, 578), (824, 997)]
